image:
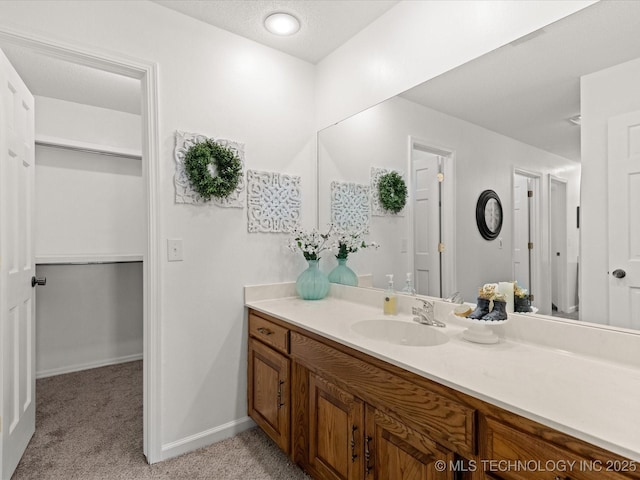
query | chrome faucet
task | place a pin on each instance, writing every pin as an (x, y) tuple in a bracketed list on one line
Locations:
[(425, 315)]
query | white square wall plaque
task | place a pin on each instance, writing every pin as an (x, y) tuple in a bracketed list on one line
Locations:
[(350, 209), (273, 201)]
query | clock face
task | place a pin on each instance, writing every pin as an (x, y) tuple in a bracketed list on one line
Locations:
[(489, 215), (493, 214)]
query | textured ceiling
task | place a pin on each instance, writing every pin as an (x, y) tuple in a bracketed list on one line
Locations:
[(527, 90), (325, 24)]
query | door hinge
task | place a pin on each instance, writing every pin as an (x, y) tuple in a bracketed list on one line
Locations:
[(531, 297), (441, 247), (529, 193), (530, 245), (440, 177)]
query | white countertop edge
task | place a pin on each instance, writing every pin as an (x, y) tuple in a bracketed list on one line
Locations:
[(618, 448)]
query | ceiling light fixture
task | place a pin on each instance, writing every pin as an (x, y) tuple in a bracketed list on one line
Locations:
[(282, 24)]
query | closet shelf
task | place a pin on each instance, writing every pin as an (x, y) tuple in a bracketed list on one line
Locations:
[(87, 259), (56, 142)]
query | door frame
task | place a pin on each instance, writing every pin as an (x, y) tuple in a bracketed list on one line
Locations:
[(147, 73), (537, 254), (448, 209)]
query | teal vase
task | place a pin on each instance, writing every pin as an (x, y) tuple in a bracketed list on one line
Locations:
[(312, 284), (343, 275)]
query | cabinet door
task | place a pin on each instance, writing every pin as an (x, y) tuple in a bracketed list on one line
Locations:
[(335, 431), (395, 452), (269, 392)]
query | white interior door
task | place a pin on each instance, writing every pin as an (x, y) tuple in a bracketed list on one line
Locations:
[(558, 221), (17, 267), (521, 239), (426, 219), (624, 220)]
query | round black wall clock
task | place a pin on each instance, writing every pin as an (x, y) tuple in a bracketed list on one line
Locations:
[(489, 215)]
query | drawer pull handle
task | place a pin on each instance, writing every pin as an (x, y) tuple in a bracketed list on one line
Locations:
[(280, 404), (353, 444), (265, 331), (367, 455)]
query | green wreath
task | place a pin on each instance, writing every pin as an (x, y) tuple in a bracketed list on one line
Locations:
[(392, 192), (227, 163)]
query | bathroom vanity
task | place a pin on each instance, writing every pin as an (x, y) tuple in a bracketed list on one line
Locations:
[(349, 405)]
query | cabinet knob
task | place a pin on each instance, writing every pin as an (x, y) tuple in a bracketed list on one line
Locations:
[(265, 331)]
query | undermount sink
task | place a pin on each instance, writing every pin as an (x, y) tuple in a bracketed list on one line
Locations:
[(399, 332)]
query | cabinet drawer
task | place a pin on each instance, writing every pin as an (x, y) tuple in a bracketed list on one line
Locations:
[(446, 421), (510, 454), (269, 333)]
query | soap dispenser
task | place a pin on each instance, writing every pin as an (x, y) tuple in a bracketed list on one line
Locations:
[(390, 306), (408, 286)]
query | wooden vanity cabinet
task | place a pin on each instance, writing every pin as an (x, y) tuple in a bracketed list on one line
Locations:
[(395, 451), (348, 419), (519, 455), (351, 440), (268, 385), (336, 423), (344, 415)]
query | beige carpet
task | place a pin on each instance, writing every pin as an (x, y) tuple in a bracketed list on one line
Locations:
[(89, 427)]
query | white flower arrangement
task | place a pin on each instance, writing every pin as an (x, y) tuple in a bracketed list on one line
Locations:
[(311, 243), (346, 242)]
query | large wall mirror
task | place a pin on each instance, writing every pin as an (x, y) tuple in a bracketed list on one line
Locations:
[(532, 121)]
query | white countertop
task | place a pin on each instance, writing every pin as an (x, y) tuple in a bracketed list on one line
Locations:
[(592, 399)]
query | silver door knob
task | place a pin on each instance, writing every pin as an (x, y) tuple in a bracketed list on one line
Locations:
[(38, 281), (619, 273)]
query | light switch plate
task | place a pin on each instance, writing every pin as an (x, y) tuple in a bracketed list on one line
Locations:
[(174, 249)]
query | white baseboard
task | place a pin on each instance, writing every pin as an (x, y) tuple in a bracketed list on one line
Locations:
[(87, 366), (206, 438)]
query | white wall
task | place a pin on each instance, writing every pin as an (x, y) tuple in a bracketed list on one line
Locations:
[(88, 207), (88, 316), (603, 94), (484, 159), (418, 40), (59, 119), (218, 84)]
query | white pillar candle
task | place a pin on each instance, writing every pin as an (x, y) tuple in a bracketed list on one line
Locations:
[(506, 289)]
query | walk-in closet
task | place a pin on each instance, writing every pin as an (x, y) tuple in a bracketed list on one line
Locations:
[(89, 236)]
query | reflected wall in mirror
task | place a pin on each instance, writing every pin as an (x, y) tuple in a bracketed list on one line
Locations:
[(502, 122)]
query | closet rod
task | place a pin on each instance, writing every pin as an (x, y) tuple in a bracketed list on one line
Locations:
[(44, 143)]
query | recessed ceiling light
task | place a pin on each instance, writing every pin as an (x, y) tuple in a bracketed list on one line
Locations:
[(282, 24)]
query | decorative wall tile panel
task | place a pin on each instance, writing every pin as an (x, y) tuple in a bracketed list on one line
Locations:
[(184, 192), (350, 209), (377, 209), (273, 201)]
